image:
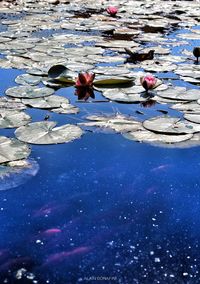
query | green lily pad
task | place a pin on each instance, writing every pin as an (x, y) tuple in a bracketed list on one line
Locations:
[(45, 132), (12, 150), (29, 92), (13, 118), (112, 81)]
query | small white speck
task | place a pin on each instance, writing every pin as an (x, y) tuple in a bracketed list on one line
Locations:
[(157, 259)]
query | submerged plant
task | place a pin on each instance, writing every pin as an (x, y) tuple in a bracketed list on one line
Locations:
[(196, 52), (148, 82), (112, 11)]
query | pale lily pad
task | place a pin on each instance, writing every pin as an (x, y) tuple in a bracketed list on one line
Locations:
[(27, 79), (46, 102), (12, 150), (119, 123), (11, 103), (45, 132), (190, 80), (29, 92), (180, 93), (13, 118), (193, 117), (66, 109), (191, 107), (16, 173), (170, 125), (162, 66), (125, 96), (147, 136)]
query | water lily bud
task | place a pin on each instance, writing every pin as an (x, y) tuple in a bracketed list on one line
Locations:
[(85, 79), (196, 52), (112, 10), (148, 82)]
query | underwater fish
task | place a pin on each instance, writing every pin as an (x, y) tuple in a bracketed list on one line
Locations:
[(161, 168), (4, 254), (14, 264), (62, 256), (48, 209), (51, 232)]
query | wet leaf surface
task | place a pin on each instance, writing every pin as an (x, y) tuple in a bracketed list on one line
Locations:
[(29, 92), (13, 118), (119, 123), (17, 173), (12, 150), (45, 132)]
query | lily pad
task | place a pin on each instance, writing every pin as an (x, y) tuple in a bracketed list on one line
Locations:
[(29, 92), (11, 103), (46, 102), (125, 96), (191, 107), (119, 123), (60, 73), (147, 136), (45, 132), (12, 150), (27, 79), (13, 118), (66, 109), (112, 81), (180, 93), (17, 173), (193, 117), (170, 125)]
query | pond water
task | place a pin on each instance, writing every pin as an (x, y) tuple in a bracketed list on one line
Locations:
[(102, 208)]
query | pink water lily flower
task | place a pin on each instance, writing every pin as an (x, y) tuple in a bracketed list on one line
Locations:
[(85, 79), (112, 10), (148, 82)]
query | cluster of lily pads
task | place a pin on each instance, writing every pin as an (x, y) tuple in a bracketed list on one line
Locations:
[(97, 48)]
